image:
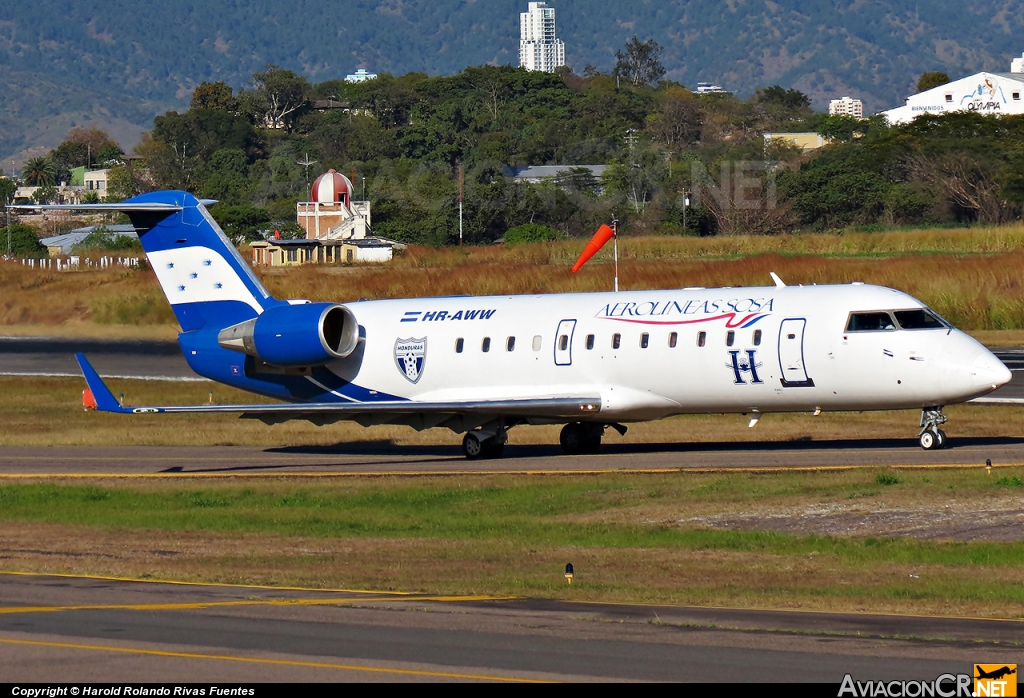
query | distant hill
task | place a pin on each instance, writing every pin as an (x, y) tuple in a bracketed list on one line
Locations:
[(119, 63)]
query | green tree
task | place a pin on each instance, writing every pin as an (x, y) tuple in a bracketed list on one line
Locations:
[(109, 155), (530, 232), (226, 177), (102, 238), (21, 241), (241, 223), (46, 194), (216, 96), (640, 62), (7, 189), (126, 180), (38, 172), (277, 98), (931, 80)]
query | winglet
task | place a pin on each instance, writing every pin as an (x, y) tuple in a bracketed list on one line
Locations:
[(105, 400)]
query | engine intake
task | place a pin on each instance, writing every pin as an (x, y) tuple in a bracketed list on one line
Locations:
[(292, 336)]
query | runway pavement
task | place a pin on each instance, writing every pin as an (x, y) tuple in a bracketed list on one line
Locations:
[(55, 356), (373, 458), (91, 629)]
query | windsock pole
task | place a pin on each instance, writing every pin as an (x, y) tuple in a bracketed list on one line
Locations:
[(615, 238)]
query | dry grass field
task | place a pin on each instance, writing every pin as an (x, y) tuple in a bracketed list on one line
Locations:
[(974, 277)]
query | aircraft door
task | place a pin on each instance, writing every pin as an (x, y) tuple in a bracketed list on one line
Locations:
[(791, 354), (563, 342)]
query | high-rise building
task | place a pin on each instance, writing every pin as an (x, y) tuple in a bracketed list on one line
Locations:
[(539, 49), (847, 106)]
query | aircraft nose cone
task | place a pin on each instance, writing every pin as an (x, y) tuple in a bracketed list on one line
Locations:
[(989, 372)]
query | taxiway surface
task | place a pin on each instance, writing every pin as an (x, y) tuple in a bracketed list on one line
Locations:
[(61, 628), (366, 458)]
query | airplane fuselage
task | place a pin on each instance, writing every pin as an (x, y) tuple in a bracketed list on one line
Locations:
[(645, 354)]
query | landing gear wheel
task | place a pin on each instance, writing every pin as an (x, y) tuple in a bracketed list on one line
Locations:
[(475, 449), (472, 447), (578, 438), (932, 437)]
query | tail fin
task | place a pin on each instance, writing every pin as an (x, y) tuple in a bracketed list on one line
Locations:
[(206, 281)]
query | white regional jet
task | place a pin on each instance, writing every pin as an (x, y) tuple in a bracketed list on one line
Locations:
[(482, 365)]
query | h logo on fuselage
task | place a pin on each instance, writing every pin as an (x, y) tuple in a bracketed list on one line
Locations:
[(745, 364)]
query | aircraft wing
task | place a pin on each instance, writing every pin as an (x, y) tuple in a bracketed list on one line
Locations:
[(409, 412)]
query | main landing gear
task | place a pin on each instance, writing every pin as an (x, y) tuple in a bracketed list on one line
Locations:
[(582, 438), (577, 438), (932, 437), (480, 444)]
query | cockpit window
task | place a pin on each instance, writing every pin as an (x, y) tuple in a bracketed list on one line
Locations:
[(870, 322), (919, 319)]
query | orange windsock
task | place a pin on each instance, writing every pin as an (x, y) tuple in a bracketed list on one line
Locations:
[(603, 235)]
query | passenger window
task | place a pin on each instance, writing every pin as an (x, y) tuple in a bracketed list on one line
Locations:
[(919, 319), (757, 338), (730, 338), (673, 339), (590, 341), (510, 344), (459, 344), (486, 346), (645, 339), (870, 322), (563, 342), (702, 338), (536, 342), (616, 340)]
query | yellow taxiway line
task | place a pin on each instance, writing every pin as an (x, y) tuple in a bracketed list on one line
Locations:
[(363, 593), (271, 662), (723, 470), (199, 605)]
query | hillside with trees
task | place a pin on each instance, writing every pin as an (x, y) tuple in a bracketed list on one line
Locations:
[(104, 61), (403, 140)]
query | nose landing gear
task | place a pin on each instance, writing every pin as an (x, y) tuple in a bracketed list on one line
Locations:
[(932, 437)]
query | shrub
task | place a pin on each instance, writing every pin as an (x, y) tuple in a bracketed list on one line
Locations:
[(530, 232)]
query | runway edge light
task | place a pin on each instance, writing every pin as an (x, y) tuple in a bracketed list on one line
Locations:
[(568, 573)]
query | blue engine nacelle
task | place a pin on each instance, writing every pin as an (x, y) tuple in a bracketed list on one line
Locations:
[(295, 336)]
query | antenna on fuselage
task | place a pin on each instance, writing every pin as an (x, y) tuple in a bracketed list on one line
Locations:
[(778, 282)]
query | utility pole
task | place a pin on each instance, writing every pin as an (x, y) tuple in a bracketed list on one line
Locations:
[(307, 163)]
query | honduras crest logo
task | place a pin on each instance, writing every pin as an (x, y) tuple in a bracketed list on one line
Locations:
[(410, 357)]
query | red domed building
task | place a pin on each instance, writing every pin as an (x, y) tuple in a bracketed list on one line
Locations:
[(332, 214), (336, 227)]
